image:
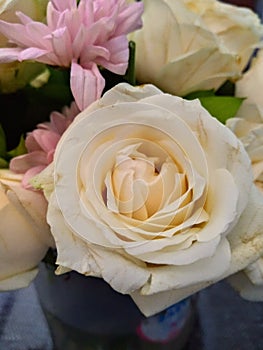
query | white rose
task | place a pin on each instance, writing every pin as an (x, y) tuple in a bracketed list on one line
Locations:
[(230, 22), (147, 191), (248, 124), (248, 127), (181, 51), (24, 233), (15, 75), (250, 85)]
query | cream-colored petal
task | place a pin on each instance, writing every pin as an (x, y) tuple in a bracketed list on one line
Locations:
[(170, 255), (120, 272), (251, 84), (179, 276), (78, 257), (247, 290), (246, 247), (20, 280), (21, 247), (122, 92), (224, 204), (255, 272), (164, 41), (221, 148)]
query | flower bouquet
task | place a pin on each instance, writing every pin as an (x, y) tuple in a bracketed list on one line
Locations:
[(132, 146)]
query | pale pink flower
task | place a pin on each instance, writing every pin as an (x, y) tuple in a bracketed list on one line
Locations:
[(79, 36), (41, 144)]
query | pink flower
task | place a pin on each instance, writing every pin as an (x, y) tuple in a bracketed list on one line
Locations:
[(41, 144), (79, 36)]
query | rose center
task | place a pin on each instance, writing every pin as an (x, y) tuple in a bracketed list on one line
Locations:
[(138, 188)]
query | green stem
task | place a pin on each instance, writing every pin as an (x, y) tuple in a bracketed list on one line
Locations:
[(130, 74)]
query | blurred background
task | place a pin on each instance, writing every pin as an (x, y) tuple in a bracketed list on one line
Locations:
[(247, 3)]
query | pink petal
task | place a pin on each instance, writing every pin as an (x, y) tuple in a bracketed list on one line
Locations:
[(24, 19), (64, 4), (24, 36), (100, 31), (36, 34), (108, 8), (86, 11), (91, 53), (48, 58), (62, 47), (86, 84), (52, 16), (31, 143), (119, 55), (12, 30), (130, 19), (9, 55), (71, 112), (33, 53), (79, 42), (23, 163), (88, 33), (50, 156), (46, 139), (58, 122), (61, 22)]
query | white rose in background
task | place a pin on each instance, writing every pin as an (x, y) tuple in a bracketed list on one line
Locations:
[(181, 51), (16, 75), (248, 123), (251, 84), (24, 233), (230, 22), (248, 127), (146, 191)]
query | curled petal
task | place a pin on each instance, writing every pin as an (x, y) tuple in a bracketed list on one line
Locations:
[(23, 163), (86, 84)]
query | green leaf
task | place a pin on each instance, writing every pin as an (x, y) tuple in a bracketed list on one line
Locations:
[(19, 150), (2, 142), (56, 89), (221, 107), (130, 73), (3, 163)]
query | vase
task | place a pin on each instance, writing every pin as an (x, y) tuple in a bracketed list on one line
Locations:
[(85, 313)]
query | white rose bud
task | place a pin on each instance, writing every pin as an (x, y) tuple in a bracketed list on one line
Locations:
[(24, 233)]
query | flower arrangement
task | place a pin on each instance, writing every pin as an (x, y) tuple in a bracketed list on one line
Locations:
[(155, 188)]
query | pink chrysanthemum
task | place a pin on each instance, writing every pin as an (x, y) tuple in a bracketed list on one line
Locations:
[(80, 36), (41, 144)]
